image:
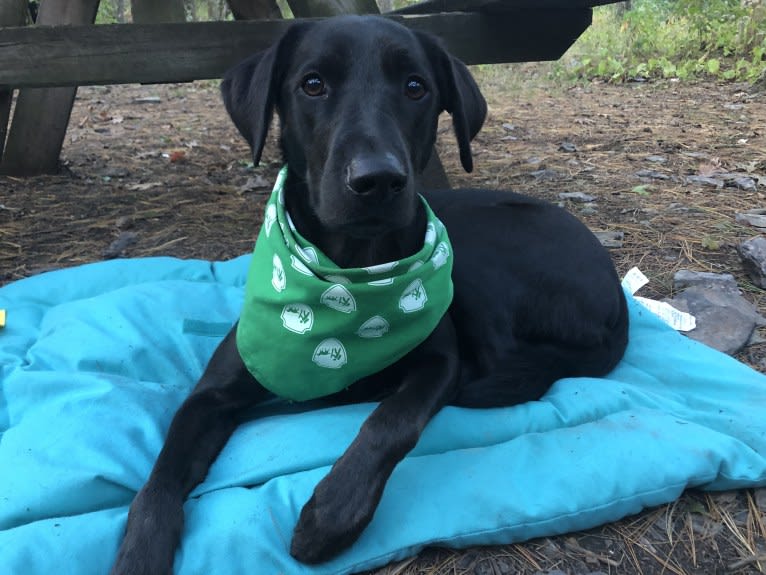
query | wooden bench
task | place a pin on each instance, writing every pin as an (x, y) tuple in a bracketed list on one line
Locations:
[(476, 31)]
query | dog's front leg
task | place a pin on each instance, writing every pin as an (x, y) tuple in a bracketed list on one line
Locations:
[(200, 428), (344, 502)]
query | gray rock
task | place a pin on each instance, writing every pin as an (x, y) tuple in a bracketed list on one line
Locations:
[(567, 146), (577, 197), (122, 243), (745, 183), (755, 217), (610, 239), (725, 320), (705, 181), (654, 174), (753, 254), (656, 159), (687, 278), (255, 184), (545, 174)]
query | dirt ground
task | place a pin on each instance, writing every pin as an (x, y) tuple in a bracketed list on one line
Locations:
[(159, 170)]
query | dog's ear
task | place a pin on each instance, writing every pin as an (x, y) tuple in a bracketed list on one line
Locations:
[(460, 96), (250, 89)]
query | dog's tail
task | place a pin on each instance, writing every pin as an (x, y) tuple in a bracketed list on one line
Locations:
[(526, 374)]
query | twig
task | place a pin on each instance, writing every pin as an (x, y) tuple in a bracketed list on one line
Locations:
[(747, 561)]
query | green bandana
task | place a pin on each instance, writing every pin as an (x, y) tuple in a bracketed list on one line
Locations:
[(309, 328)]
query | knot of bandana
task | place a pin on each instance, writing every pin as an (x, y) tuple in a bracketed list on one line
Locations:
[(309, 328)]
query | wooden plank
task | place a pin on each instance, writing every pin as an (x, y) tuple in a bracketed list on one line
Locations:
[(328, 8), (495, 6), (41, 56), (41, 116)]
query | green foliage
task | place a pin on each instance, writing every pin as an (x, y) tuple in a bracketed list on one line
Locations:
[(722, 39)]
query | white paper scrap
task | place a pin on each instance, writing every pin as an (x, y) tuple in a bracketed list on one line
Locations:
[(679, 320), (634, 280)]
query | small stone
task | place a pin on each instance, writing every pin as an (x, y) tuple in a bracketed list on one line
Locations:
[(588, 211), (124, 222), (753, 254), (654, 174), (656, 159), (705, 181), (509, 127), (745, 183), (755, 217), (579, 197), (567, 146), (545, 174), (115, 172), (610, 239), (118, 246), (687, 278), (254, 184)]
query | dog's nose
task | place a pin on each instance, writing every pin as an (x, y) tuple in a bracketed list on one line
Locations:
[(381, 176)]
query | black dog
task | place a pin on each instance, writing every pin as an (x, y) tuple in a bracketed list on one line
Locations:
[(536, 297)]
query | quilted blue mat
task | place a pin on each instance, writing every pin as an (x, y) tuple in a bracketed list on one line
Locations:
[(95, 360)]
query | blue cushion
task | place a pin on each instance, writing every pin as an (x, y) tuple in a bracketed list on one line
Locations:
[(95, 360)]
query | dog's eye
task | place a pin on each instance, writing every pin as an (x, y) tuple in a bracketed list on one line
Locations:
[(313, 85), (415, 88)]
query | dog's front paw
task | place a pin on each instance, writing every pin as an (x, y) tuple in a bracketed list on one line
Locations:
[(337, 513), (322, 532), (141, 558), (151, 537)]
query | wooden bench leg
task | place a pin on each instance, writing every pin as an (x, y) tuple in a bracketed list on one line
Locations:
[(42, 114), (38, 130), (6, 96), (12, 13)]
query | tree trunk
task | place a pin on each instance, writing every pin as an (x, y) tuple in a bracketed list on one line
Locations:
[(156, 11), (42, 114), (121, 11), (254, 9)]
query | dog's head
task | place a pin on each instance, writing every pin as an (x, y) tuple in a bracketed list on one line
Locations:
[(358, 100)]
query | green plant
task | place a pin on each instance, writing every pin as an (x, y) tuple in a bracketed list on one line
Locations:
[(722, 39)]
